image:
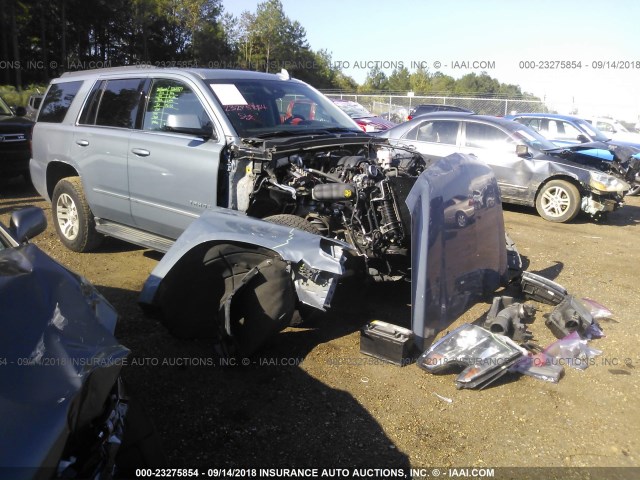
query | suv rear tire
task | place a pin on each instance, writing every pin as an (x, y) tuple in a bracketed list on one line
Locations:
[(558, 201), (72, 216)]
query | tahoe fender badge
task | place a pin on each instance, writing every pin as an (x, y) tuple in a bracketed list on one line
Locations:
[(199, 204)]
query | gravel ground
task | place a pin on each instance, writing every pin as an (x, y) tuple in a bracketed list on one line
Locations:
[(310, 399)]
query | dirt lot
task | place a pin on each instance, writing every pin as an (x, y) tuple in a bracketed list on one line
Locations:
[(310, 399)]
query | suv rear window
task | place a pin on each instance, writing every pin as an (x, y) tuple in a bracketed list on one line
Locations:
[(113, 103), (119, 103), (57, 102)]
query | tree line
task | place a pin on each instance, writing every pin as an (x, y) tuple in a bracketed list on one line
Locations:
[(40, 40), (422, 82)]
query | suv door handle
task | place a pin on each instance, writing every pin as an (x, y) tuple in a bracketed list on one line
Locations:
[(82, 143), (141, 152)]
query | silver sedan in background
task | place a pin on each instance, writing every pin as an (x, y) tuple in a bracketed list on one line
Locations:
[(558, 181)]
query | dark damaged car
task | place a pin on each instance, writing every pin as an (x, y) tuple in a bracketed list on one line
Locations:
[(559, 181), (566, 130), (62, 404), (261, 212), (15, 141)]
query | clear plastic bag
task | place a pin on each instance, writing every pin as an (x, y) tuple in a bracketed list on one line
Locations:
[(572, 351), (541, 366), (597, 310)]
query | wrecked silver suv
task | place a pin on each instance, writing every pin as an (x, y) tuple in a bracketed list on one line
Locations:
[(261, 205)]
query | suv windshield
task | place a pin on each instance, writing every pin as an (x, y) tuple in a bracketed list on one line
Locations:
[(260, 107), (4, 108)]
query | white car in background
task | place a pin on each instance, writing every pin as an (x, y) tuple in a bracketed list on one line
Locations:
[(614, 129)]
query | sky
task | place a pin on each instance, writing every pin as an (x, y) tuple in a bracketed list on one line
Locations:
[(516, 42)]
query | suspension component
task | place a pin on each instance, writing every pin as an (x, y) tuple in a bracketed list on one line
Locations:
[(391, 225)]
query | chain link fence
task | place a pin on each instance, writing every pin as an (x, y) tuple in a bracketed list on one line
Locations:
[(397, 107)]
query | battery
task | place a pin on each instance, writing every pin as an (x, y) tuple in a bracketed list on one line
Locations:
[(388, 342)]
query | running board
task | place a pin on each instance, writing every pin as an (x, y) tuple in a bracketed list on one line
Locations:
[(133, 235)]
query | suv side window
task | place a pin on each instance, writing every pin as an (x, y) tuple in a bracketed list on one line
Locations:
[(90, 108), (58, 100), (169, 98), (479, 135), (118, 104)]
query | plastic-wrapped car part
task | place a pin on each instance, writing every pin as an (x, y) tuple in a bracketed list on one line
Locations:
[(540, 289), (593, 331), (509, 318), (484, 356), (540, 366), (573, 351), (569, 316), (596, 309)]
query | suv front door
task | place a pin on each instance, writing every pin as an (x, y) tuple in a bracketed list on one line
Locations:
[(172, 173)]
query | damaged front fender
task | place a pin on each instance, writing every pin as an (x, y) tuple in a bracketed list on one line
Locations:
[(316, 262)]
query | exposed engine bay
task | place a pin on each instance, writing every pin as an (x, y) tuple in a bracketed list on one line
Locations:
[(352, 193)]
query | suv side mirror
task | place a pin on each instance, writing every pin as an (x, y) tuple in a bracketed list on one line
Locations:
[(583, 138), (522, 151), (189, 124), (27, 223)]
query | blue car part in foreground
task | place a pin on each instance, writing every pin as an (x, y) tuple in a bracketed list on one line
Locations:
[(62, 404)]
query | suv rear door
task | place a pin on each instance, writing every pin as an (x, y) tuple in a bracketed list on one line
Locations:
[(101, 143), (173, 174)]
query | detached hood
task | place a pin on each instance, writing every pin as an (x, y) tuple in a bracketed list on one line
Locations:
[(454, 265), (60, 357)]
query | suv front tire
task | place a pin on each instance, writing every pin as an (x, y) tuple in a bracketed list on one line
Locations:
[(72, 216)]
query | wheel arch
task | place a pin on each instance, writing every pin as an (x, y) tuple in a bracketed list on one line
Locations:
[(56, 171), (191, 264), (197, 296), (308, 252), (561, 176)]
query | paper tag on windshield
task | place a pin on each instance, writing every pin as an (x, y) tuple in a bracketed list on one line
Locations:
[(228, 94)]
